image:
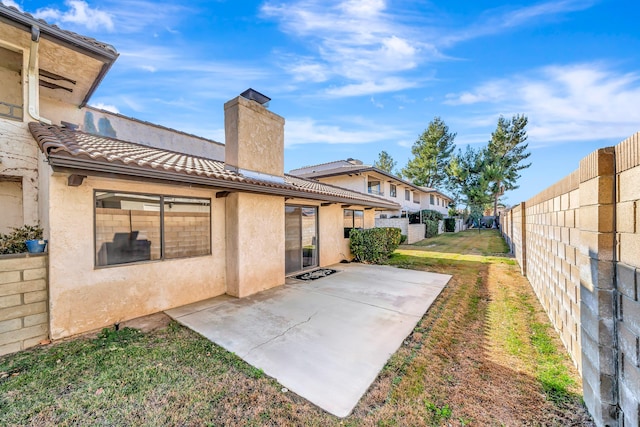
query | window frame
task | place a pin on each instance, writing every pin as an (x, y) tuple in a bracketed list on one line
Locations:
[(161, 199), (407, 194), (347, 230), (375, 189), (393, 191)]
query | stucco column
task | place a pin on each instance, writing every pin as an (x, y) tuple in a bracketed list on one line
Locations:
[(254, 147), (597, 285), (254, 138)]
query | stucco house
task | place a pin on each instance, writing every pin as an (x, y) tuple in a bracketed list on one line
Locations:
[(141, 218), (355, 175)]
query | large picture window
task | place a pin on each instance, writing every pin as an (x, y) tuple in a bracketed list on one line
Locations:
[(139, 227), (352, 219)]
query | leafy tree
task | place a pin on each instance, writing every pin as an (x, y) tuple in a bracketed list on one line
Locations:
[(431, 154), (505, 155), (467, 173), (385, 162)]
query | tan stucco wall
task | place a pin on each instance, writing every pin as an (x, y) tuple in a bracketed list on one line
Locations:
[(255, 243), (84, 298), (355, 182), (254, 137)]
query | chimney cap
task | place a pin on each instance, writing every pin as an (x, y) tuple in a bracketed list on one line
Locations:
[(254, 95)]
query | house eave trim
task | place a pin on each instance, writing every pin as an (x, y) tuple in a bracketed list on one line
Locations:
[(87, 167)]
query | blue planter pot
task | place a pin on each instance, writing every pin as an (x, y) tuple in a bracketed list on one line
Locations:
[(36, 246)]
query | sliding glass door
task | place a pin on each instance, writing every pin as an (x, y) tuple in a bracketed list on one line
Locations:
[(301, 238)]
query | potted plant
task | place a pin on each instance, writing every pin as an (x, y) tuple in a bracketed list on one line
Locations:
[(27, 238)]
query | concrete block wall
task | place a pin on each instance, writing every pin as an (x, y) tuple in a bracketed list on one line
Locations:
[(415, 233), (24, 318), (627, 226), (578, 242), (551, 258)]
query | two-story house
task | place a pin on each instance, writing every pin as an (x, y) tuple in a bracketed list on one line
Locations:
[(353, 174), (141, 218)]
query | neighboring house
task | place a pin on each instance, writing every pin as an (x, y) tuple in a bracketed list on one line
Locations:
[(353, 174), (141, 218)]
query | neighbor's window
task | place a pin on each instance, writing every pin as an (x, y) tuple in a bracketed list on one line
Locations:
[(11, 89), (352, 219), (407, 195), (140, 227), (392, 190), (432, 200), (416, 197), (373, 187)]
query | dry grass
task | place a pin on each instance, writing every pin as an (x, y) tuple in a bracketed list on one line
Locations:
[(484, 354)]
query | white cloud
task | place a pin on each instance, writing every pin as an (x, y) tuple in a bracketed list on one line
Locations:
[(309, 131), (390, 84), (496, 21), (106, 107), (579, 102), (362, 41), (11, 3), (376, 103), (80, 13), (362, 45)]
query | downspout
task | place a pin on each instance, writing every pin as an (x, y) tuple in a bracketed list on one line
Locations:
[(33, 78)]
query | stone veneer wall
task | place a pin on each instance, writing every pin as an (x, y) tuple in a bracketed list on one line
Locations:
[(578, 243), (24, 318)]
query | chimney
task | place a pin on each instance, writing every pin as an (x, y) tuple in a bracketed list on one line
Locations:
[(254, 137)]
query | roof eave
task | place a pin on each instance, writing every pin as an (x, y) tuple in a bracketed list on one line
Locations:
[(20, 20), (361, 170), (88, 167)]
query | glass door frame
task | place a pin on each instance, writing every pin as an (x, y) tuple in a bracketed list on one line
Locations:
[(317, 239)]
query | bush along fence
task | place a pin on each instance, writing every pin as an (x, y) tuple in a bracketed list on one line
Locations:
[(578, 243)]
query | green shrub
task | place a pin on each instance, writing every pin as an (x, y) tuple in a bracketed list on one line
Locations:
[(403, 238), (431, 229), (374, 245), (450, 225), (431, 215), (14, 242)]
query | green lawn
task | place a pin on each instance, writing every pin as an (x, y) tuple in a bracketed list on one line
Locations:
[(484, 354)]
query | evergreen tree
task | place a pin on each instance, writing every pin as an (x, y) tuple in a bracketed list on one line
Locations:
[(385, 162), (505, 155), (431, 154)]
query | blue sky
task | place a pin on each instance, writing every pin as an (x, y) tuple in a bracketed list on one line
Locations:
[(353, 78)]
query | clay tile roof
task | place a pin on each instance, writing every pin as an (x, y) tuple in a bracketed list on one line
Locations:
[(66, 148)]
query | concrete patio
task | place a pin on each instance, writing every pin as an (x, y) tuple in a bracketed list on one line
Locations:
[(327, 339)]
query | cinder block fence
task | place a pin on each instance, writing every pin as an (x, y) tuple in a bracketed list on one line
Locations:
[(578, 243), (24, 318)]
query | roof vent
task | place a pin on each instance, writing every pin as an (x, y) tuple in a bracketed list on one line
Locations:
[(354, 161), (254, 95)]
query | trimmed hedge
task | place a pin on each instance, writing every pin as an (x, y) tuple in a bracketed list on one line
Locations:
[(374, 245), (450, 225), (431, 229)]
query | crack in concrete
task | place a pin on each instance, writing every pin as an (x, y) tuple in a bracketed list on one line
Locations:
[(279, 335)]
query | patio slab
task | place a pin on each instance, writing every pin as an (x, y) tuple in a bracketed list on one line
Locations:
[(327, 339)]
